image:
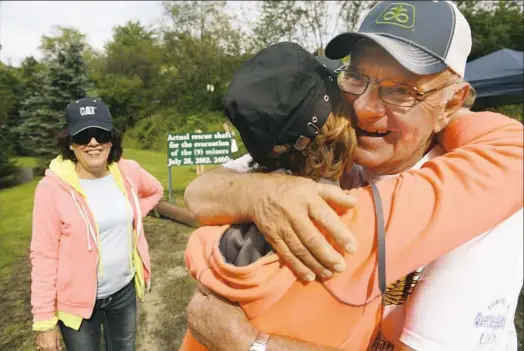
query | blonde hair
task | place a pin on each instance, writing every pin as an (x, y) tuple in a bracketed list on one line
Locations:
[(328, 155)]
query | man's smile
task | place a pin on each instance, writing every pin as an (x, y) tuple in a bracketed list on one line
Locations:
[(371, 132)]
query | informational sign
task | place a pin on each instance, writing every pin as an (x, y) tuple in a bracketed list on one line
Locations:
[(198, 148)]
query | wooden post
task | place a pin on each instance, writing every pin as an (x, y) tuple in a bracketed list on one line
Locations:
[(177, 214)]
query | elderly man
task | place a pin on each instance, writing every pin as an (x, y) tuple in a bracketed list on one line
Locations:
[(405, 83)]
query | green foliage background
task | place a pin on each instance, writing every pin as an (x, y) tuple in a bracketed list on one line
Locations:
[(155, 78)]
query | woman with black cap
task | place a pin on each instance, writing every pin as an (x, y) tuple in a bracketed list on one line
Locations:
[(89, 254)]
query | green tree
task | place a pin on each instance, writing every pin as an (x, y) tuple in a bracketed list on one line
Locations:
[(127, 74), (125, 96), (10, 90), (30, 68), (278, 22), (310, 23), (8, 168), (351, 13), (134, 51), (202, 47), (64, 80), (61, 38), (494, 25), (31, 73)]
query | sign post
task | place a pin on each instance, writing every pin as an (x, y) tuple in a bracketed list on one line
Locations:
[(169, 180), (191, 149)]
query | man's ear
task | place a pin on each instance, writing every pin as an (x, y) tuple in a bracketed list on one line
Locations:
[(453, 105)]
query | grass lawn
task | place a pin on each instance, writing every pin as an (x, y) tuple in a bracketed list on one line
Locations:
[(16, 203), (162, 317), (15, 233), (156, 164), (15, 223), (26, 162)]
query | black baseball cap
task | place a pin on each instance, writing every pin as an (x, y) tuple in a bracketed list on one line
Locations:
[(424, 36), (283, 95), (332, 65), (87, 113)]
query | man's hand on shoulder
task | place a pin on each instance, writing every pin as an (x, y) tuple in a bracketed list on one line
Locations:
[(288, 209)]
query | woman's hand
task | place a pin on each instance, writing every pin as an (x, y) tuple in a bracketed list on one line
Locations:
[(217, 323), (48, 340)]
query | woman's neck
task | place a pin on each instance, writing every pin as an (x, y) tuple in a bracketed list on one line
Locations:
[(91, 173)]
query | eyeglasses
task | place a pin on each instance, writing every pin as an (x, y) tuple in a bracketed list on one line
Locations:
[(391, 92), (102, 136)]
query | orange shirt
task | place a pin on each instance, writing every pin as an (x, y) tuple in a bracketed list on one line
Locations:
[(428, 212)]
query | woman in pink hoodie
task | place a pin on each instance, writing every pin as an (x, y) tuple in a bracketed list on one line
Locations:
[(89, 255)]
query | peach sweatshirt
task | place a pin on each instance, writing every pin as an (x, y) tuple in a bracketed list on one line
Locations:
[(477, 184)]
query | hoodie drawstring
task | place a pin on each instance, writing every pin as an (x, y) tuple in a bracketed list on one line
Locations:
[(90, 231), (136, 202), (139, 212), (86, 221), (139, 224)]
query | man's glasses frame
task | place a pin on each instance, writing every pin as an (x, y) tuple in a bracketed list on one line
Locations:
[(417, 95)]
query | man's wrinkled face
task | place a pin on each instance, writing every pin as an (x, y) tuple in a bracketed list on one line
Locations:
[(392, 139)]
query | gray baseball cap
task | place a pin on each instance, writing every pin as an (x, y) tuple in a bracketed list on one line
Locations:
[(424, 36)]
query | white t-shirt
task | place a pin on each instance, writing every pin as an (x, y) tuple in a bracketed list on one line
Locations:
[(114, 217), (465, 300)]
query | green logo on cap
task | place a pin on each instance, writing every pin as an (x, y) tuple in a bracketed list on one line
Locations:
[(398, 14)]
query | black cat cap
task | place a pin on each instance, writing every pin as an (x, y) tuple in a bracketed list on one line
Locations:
[(283, 95)]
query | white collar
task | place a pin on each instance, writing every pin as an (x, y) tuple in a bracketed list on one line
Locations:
[(369, 176)]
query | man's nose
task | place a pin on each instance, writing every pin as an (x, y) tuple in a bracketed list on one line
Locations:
[(369, 106)]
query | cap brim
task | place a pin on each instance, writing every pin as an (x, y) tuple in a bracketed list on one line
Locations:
[(84, 124), (409, 56), (332, 65)]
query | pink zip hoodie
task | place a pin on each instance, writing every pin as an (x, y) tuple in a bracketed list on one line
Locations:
[(64, 246)]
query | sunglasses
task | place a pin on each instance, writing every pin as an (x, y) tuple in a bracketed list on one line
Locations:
[(84, 137)]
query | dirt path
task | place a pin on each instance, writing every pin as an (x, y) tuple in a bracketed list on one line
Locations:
[(162, 320), (15, 308)]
